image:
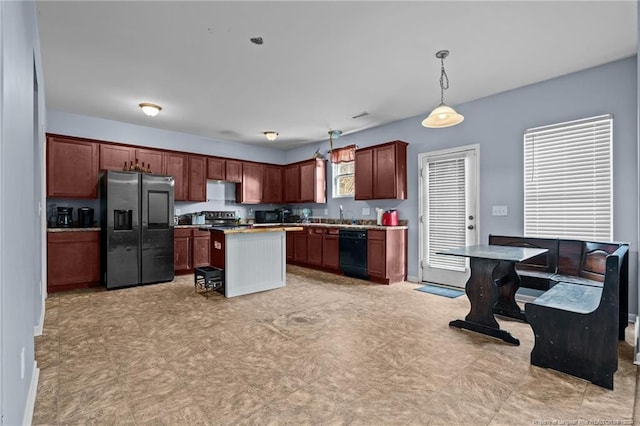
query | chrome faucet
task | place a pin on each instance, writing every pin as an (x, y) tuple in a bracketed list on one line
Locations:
[(341, 213)]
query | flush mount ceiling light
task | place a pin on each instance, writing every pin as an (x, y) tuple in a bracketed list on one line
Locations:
[(270, 135), (443, 115), (150, 109)]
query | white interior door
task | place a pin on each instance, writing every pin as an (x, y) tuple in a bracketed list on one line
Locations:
[(448, 211)]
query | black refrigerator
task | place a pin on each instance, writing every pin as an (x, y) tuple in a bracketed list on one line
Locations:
[(136, 214)]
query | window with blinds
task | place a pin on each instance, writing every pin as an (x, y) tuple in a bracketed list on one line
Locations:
[(446, 207), (568, 184)]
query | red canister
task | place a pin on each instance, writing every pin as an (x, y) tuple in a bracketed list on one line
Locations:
[(390, 218)]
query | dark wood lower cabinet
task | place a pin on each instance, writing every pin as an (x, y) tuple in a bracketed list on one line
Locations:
[(73, 260), (314, 246), (387, 255), (330, 249), (191, 249), (319, 248), (300, 246)]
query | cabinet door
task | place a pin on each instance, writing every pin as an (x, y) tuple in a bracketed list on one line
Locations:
[(376, 253), (177, 165), (152, 159), (272, 191), (292, 183), (313, 182), (314, 246), (197, 178), (364, 174), (216, 168), (73, 260), (72, 168), (234, 171), (290, 247), (114, 157), (201, 245), (331, 249), (384, 167), (300, 246), (181, 249), (251, 186)]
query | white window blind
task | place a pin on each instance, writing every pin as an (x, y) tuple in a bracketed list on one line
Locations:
[(568, 180), (446, 207)]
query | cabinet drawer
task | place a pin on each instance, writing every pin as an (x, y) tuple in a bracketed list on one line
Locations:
[(201, 233), (332, 231), (182, 232), (374, 234), (315, 231), (73, 237)]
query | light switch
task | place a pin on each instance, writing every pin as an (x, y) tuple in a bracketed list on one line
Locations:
[(366, 211), (499, 210)]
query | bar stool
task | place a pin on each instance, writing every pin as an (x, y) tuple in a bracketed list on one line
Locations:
[(208, 278)]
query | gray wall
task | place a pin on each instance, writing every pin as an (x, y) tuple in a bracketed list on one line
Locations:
[(21, 190), (497, 123)]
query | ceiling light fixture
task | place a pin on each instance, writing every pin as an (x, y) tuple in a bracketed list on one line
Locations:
[(443, 115), (150, 109), (270, 135)]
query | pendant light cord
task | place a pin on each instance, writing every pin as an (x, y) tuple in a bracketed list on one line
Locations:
[(444, 81)]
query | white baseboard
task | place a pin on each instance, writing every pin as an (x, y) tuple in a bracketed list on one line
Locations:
[(31, 398), (38, 328)]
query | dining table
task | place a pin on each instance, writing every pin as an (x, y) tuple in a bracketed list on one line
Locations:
[(487, 290)]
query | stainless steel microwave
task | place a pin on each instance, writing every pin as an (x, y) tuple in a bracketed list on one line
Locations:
[(267, 216)]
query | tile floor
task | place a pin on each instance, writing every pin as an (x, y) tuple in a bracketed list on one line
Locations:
[(323, 350)]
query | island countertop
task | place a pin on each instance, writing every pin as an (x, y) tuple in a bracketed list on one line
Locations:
[(247, 230)]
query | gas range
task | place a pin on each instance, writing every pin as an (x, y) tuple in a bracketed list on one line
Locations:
[(220, 219)]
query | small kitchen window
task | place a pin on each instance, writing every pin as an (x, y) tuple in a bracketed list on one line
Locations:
[(343, 167)]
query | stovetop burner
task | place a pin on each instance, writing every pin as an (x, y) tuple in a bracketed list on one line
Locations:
[(220, 218)]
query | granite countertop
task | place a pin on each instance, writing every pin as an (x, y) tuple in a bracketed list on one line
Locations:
[(334, 225), (251, 230), (72, 229)]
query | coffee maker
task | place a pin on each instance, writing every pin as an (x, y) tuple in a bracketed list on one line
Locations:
[(85, 217), (65, 217)]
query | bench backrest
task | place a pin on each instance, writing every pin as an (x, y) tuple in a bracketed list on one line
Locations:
[(547, 262), (585, 259)]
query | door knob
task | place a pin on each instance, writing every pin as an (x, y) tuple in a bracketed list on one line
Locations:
[(470, 227)]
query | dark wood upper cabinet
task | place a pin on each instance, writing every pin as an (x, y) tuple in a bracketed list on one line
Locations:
[(364, 174), (216, 168), (272, 186), (72, 167), (152, 159), (114, 157), (292, 183), (177, 165), (252, 181), (233, 171), (313, 181), (197, 178), (381, 172)]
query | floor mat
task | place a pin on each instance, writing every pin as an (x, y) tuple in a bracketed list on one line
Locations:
[(441, 291)]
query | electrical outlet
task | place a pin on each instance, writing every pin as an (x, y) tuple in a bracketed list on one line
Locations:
[(177, 212), (366, 211), (326, 212), (499, 210)]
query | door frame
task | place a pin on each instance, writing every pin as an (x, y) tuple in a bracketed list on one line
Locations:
[(421, 214)]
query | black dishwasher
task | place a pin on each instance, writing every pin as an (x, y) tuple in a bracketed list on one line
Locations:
[(353, 253)]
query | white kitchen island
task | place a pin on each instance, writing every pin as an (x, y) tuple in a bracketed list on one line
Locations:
[(253, 259)]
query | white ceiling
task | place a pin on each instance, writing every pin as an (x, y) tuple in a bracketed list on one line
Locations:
[(321, 62)]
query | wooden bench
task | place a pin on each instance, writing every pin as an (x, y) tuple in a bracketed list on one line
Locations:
[(569, 261), (575, 324)]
